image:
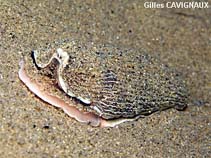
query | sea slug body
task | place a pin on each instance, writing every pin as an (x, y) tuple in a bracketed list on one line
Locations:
[(117, 85)]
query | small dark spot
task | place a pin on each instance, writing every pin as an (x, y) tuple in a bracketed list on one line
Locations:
[(99, 54), (80, 141), (130, 31), (34, 126), (167, 78), (67, 66), (120, 53), (112, 12), (12, 35), (46, 126)]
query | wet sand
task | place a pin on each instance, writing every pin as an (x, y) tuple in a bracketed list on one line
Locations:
[(181, 38)]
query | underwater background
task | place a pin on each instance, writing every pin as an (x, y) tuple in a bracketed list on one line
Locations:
[(180, 38)]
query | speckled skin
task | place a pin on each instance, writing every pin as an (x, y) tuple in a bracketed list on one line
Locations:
[(118, 83)]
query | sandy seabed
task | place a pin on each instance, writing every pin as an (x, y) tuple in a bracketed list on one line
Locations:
[(179, 37)]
